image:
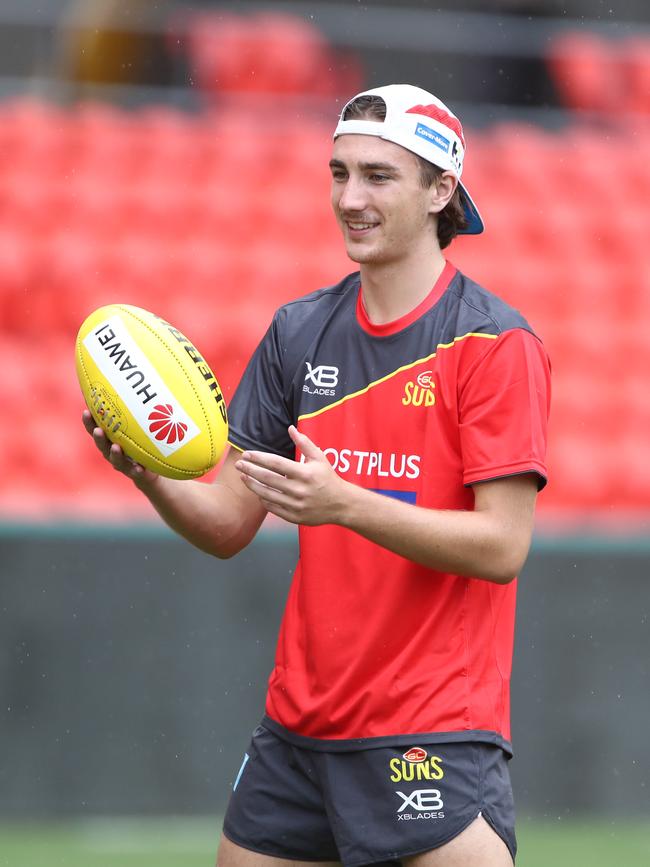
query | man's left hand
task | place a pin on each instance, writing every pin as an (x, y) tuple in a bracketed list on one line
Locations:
[(303, 492)]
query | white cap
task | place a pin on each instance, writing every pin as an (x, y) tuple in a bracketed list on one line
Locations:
[(421, 123)]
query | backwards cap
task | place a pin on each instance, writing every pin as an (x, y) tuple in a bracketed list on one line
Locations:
[(421, 123)]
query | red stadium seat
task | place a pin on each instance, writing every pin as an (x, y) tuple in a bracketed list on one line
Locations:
[(593, 293), (264, 53), (92, 202), (606, 75), (586, 71), (629, 454), (19, 269), (583, 476), (585, 407), (73, 272), (636, 69), (113, 144), (35, 137), (29, 201)]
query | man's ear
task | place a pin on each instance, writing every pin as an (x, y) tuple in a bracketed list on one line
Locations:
[(441, 192)]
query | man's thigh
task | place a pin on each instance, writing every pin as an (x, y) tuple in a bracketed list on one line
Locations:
[(476, 846), (232, 855)]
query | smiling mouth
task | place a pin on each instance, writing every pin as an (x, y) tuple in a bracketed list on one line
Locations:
[(359, 227)]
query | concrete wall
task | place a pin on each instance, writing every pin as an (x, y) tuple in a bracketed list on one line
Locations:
[(133, 669)]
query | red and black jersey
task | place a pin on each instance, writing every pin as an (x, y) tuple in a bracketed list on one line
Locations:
[(456, 392)]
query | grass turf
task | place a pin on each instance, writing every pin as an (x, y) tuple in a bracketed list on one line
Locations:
[(174, 842)]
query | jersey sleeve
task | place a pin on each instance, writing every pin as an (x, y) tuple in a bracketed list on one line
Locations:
[(259, 415), (503, 410)]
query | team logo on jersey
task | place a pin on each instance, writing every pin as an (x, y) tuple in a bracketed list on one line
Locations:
[(324, 378), (415, 755), (421, 392), (415, 764), (426, 804)]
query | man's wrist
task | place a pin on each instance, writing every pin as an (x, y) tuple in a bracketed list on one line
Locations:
[(353, 506), (146, 482)]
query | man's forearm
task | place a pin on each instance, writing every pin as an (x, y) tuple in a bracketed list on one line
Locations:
[(210, 516), (220, 519), (491, 541), (471, 543)]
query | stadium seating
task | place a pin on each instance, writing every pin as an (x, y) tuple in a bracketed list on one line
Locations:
[(254, 56), (213, 226), (594, 73)]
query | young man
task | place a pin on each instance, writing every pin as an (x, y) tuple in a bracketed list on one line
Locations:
[(399, 418)]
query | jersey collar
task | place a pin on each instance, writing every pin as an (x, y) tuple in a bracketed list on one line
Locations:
[(388, 328)]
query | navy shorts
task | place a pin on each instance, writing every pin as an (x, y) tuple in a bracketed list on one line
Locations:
[(371, 806)]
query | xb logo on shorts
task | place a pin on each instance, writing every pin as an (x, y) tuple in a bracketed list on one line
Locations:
[(325, 378), (427, 803)]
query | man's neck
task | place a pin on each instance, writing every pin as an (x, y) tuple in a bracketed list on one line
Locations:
[(391, 290)]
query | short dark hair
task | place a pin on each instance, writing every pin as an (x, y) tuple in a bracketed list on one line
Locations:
[(452, 219)]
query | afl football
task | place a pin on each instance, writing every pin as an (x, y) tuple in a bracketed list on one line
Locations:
[(152, 392)]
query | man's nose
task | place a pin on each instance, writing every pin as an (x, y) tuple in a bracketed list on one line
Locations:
[(353, 197)]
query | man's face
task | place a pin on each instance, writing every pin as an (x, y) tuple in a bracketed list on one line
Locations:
[(380, 204)]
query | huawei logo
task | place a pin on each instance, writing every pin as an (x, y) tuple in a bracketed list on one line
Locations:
[(163, 425)]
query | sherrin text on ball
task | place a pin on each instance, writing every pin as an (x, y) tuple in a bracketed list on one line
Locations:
[(151, 391)]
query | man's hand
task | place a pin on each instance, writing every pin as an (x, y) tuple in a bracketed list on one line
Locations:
[(308, 492), (115, 456)]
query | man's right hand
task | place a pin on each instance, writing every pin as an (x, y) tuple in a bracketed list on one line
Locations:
[(115, 456)]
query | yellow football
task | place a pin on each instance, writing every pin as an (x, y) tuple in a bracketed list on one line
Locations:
[(148, 387)]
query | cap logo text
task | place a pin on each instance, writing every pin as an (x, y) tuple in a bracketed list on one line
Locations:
[(432, 136)]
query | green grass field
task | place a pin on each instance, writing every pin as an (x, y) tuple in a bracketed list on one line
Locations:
[(192, 842)]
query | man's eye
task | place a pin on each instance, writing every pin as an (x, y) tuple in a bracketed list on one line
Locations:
[(379, 178)]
